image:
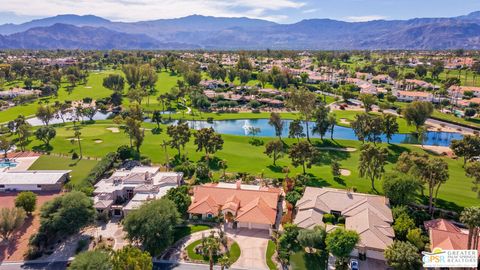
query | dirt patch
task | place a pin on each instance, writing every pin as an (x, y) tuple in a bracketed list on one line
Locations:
[(98, 141), (18, 245), (114, 129), (345, 172)]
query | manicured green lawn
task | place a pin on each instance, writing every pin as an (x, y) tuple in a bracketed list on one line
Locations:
[(80, 169), (234, 252), (457, 191), (301, 260), (270, 251), (183, 231), (233, 256)]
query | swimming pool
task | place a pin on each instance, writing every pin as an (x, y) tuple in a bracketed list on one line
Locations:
[(6, 164)]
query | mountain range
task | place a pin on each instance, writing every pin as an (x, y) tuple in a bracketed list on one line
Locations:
[(203, 32)]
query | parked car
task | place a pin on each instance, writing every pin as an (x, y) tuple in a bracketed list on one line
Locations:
[(354, 264)]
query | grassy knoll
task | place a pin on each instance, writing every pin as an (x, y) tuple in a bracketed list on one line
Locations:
[(233, 255), (80, 169), (239, 155)]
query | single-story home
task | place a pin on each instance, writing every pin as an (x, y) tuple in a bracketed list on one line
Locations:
[(242, 206), (33, 180), (413, 96), (458, 91), (369, 215), (446, 235)]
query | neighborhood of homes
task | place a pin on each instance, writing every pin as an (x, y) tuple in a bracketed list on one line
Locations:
[(405, 90), (246, 206)]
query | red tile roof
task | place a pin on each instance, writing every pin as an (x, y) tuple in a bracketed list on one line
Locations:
[(255, 206), (446, 235)]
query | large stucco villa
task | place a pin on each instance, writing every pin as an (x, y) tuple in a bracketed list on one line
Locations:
[(242, 206)]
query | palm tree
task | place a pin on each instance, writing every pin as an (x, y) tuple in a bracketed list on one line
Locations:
[(332, 121), (167, 160), (224, 262), (223, 164), (77, 136), (470, 216), (161, 99), (210, 247)]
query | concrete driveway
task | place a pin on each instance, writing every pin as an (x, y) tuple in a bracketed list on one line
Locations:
[(253, 247)]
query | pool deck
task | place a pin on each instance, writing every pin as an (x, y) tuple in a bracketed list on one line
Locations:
[(23, 163)]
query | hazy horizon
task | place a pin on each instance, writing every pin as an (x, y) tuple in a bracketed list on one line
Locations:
[(280, 11)]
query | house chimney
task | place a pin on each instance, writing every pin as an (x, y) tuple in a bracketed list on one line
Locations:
[(239, 184)]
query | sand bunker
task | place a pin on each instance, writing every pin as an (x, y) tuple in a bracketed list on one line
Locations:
[(344, 121), (98, 141), (345, 172), (114, 129)]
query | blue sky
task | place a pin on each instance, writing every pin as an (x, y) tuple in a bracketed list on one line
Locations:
[(282, 11)]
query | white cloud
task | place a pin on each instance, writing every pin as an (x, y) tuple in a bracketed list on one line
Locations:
[(365, 18), (312, 10), (134, 10)]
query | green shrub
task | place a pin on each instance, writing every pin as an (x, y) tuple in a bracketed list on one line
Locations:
[(329, 218), (33, 253), (256, 142), (126, 152), (101, 168)]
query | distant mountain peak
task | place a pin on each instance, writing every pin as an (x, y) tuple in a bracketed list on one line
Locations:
[(208, 32)]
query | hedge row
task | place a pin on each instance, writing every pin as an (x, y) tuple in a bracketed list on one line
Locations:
[(101, 168)]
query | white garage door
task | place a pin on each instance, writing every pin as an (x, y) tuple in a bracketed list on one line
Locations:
[(253, 226), (375, 255)]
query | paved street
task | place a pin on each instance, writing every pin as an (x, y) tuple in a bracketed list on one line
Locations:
[(63, 265)]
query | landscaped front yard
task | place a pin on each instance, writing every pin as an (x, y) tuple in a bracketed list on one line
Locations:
[(233, 252)]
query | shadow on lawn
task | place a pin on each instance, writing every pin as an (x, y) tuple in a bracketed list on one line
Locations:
[(314, 181), (443, 204), (395, 151), (275, 168), (339, 181), (326, 157), (42, 148), (328, 143)]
